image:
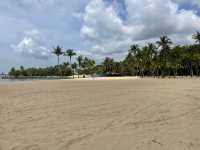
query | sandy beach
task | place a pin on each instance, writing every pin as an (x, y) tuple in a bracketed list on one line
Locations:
[(130, 114)]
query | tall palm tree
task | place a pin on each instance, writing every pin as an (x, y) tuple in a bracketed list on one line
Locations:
[(70, 53), (80, 61), (164, 43), (58, 52), (175, 59), (74, 67), (196, 37), (148, 54), (88, 65), (134, 49), (108, 65)]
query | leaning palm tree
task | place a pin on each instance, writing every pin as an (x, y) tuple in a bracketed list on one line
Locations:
[(58, 52), (70, 53), (196, 37)]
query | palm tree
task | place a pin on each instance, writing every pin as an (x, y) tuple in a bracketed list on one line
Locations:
[(175, 59), (88, 65), (164, 43), (196, 37), (80, 61), (74, 67), (58, 51), (70, 53), (148, 53), (108, 65), (134, 49)]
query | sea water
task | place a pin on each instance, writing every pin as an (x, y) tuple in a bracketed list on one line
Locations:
[(9, 81)]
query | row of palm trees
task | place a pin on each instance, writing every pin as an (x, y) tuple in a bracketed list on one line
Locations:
[(59, 52), (84, 65), (161, 58), (69, 53), (158, 59)]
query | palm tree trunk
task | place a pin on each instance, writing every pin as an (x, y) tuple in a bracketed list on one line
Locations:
[(78, 70), (70, 58), (59, 66), (73, 70)]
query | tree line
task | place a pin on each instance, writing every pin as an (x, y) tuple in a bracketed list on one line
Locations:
[(161, 58), (82, 65)]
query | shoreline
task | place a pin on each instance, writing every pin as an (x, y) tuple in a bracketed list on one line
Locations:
[(16, 81)]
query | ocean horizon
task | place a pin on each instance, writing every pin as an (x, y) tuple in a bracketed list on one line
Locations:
[(9, 81)]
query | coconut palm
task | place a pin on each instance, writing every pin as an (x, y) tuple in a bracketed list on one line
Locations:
[(147, 55), (70, 53), (108, 65), (196, 37), (58, 52), (74, 67), (164, 43), (134, 49), (133, 54), (80, 60), (88, 65)]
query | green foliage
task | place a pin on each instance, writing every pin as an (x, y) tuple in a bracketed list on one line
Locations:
[(87, 66), (63, 69), (196, 37), (74, 65), (159, 59), (70, 53), (58, 52), (153, 59), (164, 60)]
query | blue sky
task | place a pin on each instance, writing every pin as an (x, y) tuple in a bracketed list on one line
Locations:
[(95, 28)]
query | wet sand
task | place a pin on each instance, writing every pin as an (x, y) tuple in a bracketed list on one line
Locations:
[(139, 114)]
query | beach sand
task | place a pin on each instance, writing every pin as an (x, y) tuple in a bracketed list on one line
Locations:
[(139, 114)]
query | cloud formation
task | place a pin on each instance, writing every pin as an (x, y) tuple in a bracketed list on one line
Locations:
[(197, 2), (108, 33), (96, 28), (33, 46)]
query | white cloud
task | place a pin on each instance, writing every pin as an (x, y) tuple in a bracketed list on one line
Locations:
[(189, 1), (32, 46), (196, 2), (53, 18), (108, 34), (105, 30)]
